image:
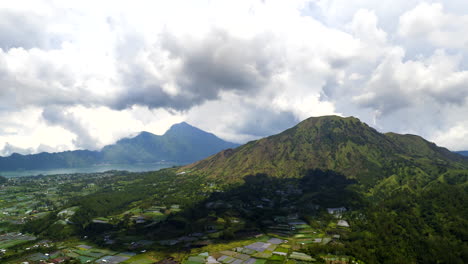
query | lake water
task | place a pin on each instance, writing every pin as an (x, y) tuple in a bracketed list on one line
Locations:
[(96, 168)]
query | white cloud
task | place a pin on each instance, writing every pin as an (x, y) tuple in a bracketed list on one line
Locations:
[(25, 129), (430, 23), (398, 84), (454, 136), (87, 73), (364, 26)]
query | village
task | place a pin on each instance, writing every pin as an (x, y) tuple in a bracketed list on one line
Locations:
[(227, 231), (282, 244)]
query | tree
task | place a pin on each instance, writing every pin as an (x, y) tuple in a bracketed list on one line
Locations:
[(3, 180)]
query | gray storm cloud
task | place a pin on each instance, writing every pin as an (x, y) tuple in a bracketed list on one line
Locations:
[(179, 73)]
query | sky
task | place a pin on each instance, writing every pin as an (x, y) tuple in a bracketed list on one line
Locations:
[(83, 74)]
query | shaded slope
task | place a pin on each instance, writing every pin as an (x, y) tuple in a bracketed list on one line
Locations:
[(345, 145)]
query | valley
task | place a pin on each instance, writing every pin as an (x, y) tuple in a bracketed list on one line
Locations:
[(329, 190), (146, 229)]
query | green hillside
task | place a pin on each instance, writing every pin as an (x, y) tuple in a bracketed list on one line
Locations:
[(344, 145)]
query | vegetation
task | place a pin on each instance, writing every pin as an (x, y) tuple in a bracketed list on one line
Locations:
[(3, 180), (181, 143), (344, 145), (426, 227), (337, 190)]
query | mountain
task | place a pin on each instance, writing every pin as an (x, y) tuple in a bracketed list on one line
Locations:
[(66, 159), (406, 196), (182, 143), (345, 145), (464, 153)]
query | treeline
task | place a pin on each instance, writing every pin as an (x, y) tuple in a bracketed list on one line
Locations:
[(408, 227), (262, 197), (163, 188)]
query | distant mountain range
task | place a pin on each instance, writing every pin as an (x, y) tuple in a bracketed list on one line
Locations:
[(182, 143), (464, 153), (344, 145)]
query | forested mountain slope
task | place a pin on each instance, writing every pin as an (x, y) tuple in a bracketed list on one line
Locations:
[(182, 143)]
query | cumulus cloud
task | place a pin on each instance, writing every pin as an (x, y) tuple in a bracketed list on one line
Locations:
[(95, 72), (180, 73), (397, 84), (20, 30), (431, 24), (38, 78), (57, 116), (239, 119), (9, 149), (24, 129)]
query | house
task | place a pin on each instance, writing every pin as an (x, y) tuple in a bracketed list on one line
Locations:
[(293, 216), (97, 221), (297, 222), (301, 256), (59, 260), (280, 253), (336, 211), (139, 219), (343, 223)]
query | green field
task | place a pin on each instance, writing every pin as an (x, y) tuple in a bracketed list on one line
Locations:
[(7, 244)]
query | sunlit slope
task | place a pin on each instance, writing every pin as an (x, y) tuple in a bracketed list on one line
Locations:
[(345, 145)]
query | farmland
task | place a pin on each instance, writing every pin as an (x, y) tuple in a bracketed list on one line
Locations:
[(62, 218)]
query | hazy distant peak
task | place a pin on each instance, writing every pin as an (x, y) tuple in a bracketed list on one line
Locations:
[(183, 128), (181, 125), (181, 143), (145, 134)]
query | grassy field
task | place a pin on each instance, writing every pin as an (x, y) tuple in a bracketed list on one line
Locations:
[(10, 243), (141, 259)]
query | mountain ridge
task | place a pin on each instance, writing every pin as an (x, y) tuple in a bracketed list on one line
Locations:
[(345, 145), (179, 140), (181, 143)]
